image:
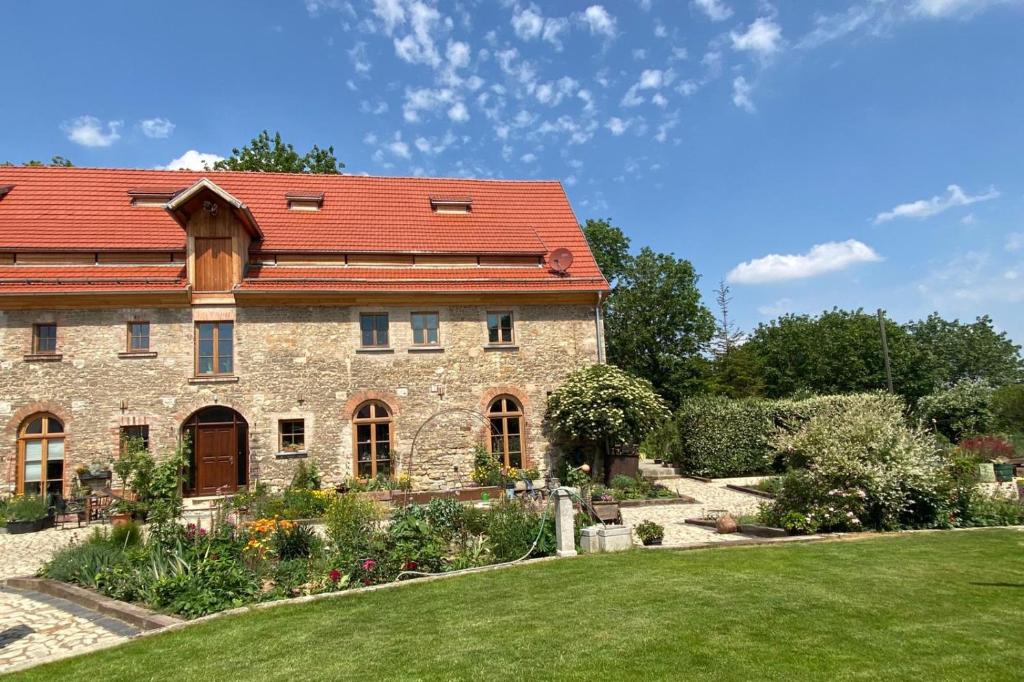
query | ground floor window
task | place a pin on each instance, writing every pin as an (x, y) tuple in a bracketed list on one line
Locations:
[(136, 434), (506, 417), (41, 456), (293, 435), (372, 422)]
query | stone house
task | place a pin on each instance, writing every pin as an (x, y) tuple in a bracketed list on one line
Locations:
[(374, 326)]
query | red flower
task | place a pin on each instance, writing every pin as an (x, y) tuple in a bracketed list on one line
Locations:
[(367, 582), (335, 575), (369, 564), (410, 566)]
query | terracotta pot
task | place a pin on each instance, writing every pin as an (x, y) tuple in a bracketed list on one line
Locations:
[(120, 518), (726, 524)]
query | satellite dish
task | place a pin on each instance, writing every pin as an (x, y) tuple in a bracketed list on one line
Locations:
[(560, 260)]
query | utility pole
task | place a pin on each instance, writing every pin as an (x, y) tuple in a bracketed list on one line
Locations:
[(885, 350)]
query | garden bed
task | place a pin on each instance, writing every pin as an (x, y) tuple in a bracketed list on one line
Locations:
[(752, 529), (658, 501), (750, 490)]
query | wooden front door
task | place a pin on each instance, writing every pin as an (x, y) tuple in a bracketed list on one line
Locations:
[(213, 264), (216, 458)]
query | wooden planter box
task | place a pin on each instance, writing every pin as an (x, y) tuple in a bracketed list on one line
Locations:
[(19, 527), (607, 512), (462, 495)]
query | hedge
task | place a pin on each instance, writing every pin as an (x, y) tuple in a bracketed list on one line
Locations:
[(721, 437)]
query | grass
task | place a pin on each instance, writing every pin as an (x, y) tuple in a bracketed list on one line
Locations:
[(944, 605)]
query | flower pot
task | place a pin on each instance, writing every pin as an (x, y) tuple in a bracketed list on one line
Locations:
[(652, 542), (120, 518), (18, 527), (1003, 472)]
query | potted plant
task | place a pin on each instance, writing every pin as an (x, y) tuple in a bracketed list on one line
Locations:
[(27, 514), (650, 533), (95, 476)]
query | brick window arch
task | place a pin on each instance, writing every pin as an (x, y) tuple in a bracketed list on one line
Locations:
[(505, 415), (373, 433), (40, 467)]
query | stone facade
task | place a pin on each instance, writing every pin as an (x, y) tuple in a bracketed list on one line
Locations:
[(293, 362)]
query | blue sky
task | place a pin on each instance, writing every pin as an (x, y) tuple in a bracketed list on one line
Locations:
[(864, 153)]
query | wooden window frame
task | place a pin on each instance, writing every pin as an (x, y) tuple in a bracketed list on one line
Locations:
[(373, 420), (215, 371), (511, 328), (44, 438), (281, 447), (504, 415), (130, 347), (122, 437), (36, 338), (374, 331), (427, 343)]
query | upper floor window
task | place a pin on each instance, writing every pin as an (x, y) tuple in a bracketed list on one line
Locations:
[(499, 327), (215, 348), (44, 338), (424, 329), (374, 329), (138, 337)]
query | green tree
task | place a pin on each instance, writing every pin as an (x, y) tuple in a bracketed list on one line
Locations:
[(958, 350), (55, 161), (276, 156), (609, 246), (738, 373), (1008, 408), (657, 325), (838, 351)]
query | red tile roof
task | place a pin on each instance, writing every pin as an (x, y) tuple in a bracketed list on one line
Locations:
[(32, 279), (61, 209)]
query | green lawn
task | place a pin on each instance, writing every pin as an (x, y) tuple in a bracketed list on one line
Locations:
[(946, 605)]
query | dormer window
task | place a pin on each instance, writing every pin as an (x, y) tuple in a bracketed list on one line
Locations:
[(152, 197), (5, 190), (451, 204), (305, 202)]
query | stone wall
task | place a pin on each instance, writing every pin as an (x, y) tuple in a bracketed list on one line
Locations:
[(292, 362)]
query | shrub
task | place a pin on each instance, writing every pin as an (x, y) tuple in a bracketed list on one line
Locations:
[(1008, 408), (859, 467), (125, 535), (988, 448), (960, 410), (639, 488), (724, 437), (486, 467), (351, 522), (649, 531), (993, 510), (604, 403), (27, 508), (295, 541), (306, 477), (84, 563), (512, 528)]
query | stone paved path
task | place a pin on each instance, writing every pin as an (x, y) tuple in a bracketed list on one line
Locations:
[(36, 627), (710, 497)]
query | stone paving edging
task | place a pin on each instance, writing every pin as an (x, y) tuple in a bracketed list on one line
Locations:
[(142, 618)]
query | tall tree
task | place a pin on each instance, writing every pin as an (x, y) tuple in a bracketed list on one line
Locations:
[(609, 246), (55, 161), (957, 350), (727, 334), (838, 351), (276, 156), (657, 324)]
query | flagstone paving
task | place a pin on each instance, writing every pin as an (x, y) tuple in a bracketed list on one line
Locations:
[(36, 627)]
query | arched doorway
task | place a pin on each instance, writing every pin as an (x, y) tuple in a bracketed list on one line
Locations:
[(219, 439)]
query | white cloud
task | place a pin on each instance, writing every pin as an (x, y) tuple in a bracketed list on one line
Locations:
[(821, 259), (716, 10), (835, 26), (458, 54), (763, 38), (659, 30), (941, 9), (924, 208), (434, 146), (528, 158), (192, 160), (427, 100), (659, 100), (650, 79), (88, 131), (398, 147), (418, 47), (157, 128), (458, 112), (528, 23), (1015, 241), (357, 55), (741, 94), (617, 125), (391, 12), (552, 93), (779, 307), (599, 22)]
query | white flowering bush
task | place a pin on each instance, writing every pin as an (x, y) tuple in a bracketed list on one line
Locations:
[(960, 410), (602, 402), (857, 464)]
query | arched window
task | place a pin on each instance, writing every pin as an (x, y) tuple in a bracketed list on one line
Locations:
[(41, 456), (373, 440), (506, 417)]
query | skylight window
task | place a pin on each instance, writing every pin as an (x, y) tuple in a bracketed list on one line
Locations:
[(451, 204)]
